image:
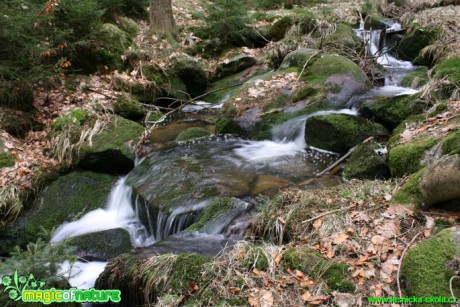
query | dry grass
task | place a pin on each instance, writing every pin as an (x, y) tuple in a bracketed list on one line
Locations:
[(10, 204)]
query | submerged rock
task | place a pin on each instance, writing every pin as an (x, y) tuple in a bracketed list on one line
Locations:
[(365, 163), (340, 132), (428, 266)]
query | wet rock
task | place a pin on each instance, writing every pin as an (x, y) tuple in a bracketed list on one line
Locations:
[(365, 163), (110, 150), (192, 133), (340, 77), (392, 111), (234, 65), (340, 132), (192, 75), (441, 181), (298, 58), (410, 46), (429, 265), (102, 245)]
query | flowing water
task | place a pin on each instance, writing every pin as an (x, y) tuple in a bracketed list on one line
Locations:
[(169, 189)]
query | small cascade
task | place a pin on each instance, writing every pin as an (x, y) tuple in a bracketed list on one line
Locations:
[(288, 139), (395, 69), (119, 213), (82, 275)]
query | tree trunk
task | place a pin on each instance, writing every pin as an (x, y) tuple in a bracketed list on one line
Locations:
[(161, 16)]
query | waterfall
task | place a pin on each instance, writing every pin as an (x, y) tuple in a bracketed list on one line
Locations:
[(118, 213), (288, 139)]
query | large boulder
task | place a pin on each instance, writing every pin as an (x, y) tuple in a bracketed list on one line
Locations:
[(410, 46), (366, 163), (341, 78), (406, 158), (343, 39), (392, 111), (429, 266), (128, 107), (110, 150), (234, 65), (192, 75), (340, 132), (441, 182), (298, 57)]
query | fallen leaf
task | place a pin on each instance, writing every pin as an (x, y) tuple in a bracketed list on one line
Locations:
[(277, 257), (341, 237), (234, 289), (282, 220), (317, 224)]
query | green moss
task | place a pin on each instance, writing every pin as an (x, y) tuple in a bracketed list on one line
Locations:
[(425, 269), (327, 65), (405, 159), (312, 263), (215, 208), (192, 133), (395, 135), (128, 25), (343, 39), (114, 41), (187, 269), (228, 126), (305, 92), (410, 46), (128, 107), (449, 68), (277, 102), (365, 163), (67, 199), (6, 159), (255, 257), (410, 193), (73, 119), (392, 111), (416, 78), (451, 143), (279, 28), (154, 116)]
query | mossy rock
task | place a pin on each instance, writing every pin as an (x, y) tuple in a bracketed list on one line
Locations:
[(229, 126), (365, 163), (128, 107), (166, 83), (314, 265), (102, 245), (153, 116), (376, 22), (343, 39), (416, 78), (279, 29), (298, 58), (192, 75), (6, 158), (410, 193), (392, 111), (410, 46), (214, 209), (16, 95), (440, 183), (449, 69), (429, 265), (66, 199), (405, 159), (74, 119), (234, 65), (114, 41), (110, 151), (451, 143), (340, 132), (341, 78), (193, 133)]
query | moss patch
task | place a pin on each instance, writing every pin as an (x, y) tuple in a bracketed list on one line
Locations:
[(187, 269), (74, 119), (365, 163), (128, 107), (449, 68), (416, 78), (405, 159), (410, 46), (6, 159), (327, 65), (425, 270), (343, 39), (410, 193), (192, 133), (279, 28), (451, 143), (215, 208)]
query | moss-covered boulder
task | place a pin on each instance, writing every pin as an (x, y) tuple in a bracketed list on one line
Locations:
[(73, 119), (279, 28), (18, 123), (192, 75), (451, 143), (336, 275), (66, 199), (366, 163), (143, 281), (166, 83), (340, 132), (298, 57), (410, 193), (234, 65), (429, 266), (102, 245), (110, 151), (16, 95), (214, 209), (341, 78), (6, 158), (410, 46), (416, 78), (128, 107), (343, 39), (192, 133), (440, 183), (406, 158), (392, 111), (450, 69)]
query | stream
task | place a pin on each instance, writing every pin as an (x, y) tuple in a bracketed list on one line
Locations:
[(178, 181)]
